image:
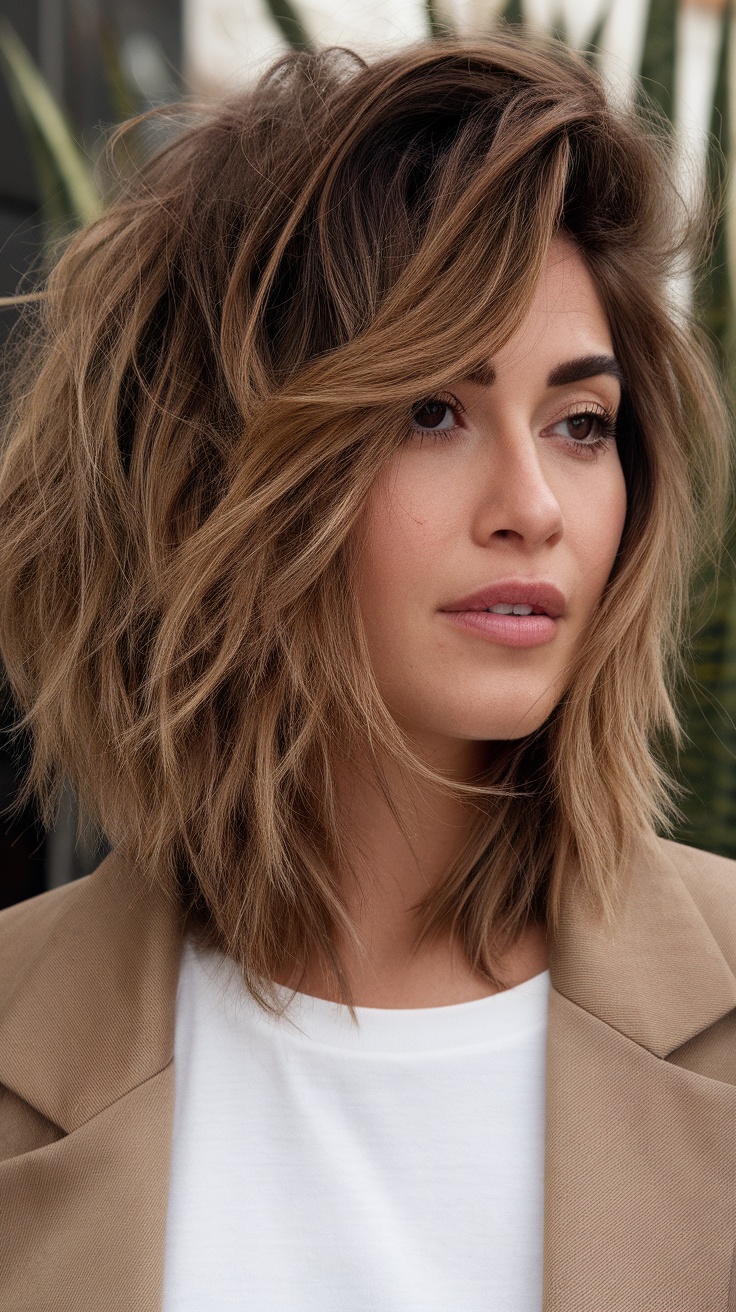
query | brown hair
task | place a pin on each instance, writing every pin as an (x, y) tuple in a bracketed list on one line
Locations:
[(195, 431)]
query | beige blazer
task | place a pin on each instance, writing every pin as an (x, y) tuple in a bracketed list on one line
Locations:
[(640, 1175)]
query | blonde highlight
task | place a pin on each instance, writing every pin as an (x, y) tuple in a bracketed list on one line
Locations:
[(193, 435)]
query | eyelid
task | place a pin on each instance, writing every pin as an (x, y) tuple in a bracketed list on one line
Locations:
[(447, 398), (586, 407), (609, 413), (611, 406)]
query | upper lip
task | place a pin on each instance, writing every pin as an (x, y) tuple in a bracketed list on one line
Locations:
[(544, 597)]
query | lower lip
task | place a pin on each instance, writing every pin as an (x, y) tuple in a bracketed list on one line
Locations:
[(506, 630)]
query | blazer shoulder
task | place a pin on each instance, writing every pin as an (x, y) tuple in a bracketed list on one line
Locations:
[(711, 883), (85, 917), (88, 977), (26, 927), (25, 931)]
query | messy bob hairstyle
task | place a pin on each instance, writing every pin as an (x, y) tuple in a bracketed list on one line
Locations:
[(218, 370)]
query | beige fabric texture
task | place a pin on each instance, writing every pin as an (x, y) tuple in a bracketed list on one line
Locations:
[(640, 1172)]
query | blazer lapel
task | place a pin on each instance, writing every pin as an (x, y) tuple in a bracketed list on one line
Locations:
[(640, 1188), (84, 1217)]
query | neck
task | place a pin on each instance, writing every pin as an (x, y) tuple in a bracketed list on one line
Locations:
[(398, 853)]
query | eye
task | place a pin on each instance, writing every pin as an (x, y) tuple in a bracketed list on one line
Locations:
[(591, 427), (437, 414)]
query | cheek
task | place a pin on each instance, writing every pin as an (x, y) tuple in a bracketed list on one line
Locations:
[(595, 525), (408, 526), (614, 511)]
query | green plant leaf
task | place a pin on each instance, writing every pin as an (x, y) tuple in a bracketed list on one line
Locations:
[(591, 49), (123, 99), (64, 171), (707, 764), (558, 28), (657, 72), (512, 11), (437, 21), (290, 25), (717, 292)]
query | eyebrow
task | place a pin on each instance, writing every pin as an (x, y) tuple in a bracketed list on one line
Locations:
[(587, 366), (571, 371)]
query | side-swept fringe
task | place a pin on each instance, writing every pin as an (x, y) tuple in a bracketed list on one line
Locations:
[(215, 376)]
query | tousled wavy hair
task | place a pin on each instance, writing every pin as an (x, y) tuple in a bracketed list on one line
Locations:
[(217, 371)]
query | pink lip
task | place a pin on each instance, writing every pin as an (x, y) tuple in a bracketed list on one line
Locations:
[(548, 603), (543, 597)]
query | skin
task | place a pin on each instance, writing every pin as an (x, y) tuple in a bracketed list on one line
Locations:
[(513, 490)]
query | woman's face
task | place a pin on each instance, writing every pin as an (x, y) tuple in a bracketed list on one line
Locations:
[(507, 492)]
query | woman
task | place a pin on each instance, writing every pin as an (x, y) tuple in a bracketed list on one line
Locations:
[(350, 492)]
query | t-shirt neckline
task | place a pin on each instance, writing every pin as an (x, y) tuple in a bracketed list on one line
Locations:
[(497, 1020)]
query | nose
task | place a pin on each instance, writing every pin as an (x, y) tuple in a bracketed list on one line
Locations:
[(516, 501)]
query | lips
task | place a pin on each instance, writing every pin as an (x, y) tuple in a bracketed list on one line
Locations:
[(543, 597)]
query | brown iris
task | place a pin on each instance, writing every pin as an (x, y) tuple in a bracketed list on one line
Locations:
[(429, 414)]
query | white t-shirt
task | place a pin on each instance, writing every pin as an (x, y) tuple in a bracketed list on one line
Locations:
[(397, 1167)]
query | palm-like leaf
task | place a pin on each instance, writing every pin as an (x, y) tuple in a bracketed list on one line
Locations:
[(437, 20), (286, 17), (717, 297), (65, 173), (657, 72), (123, 100), (512, 11), (591, 48), (708, 763)]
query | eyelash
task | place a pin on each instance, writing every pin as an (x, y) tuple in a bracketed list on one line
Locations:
[(605, 418)]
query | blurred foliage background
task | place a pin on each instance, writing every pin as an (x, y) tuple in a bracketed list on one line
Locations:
[(102, 61), (71, 188)]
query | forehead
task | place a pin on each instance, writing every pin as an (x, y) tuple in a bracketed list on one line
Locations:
[(566, 283), (565, 318), (564, 336)]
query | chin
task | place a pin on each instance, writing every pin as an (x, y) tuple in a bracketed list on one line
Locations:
[(505, 723), (522, 725), (485, 717)]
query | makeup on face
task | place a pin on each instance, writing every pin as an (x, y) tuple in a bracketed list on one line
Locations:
[(512, 612), (492, 532)]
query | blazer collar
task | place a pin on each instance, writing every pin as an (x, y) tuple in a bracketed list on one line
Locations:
[(640, 1158), (656, 974), (98, 990), (90, 1013)]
